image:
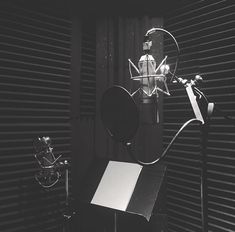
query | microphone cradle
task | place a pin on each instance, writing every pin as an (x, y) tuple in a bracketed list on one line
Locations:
[(152, 79)]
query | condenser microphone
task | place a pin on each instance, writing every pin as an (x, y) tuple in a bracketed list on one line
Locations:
[(152, 78), (49, 167)]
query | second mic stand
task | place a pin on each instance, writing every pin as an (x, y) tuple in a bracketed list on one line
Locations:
[(68, 213)]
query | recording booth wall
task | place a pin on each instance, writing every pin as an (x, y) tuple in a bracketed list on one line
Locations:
[(35, 101), (117, 39), (55, 65), (204, 30)]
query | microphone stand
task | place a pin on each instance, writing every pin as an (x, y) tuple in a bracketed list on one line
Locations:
[(205, 126), (50, 173), (68, 214)]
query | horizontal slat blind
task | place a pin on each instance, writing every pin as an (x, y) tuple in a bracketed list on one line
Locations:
[(34, 101), (88, 70), (205, 32)]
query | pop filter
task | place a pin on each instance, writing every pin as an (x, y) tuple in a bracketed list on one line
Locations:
[(119, 114)]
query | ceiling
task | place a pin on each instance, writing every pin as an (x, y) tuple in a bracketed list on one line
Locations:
[(91, 8)]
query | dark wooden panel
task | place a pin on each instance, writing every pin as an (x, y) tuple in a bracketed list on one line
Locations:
[(205, 32), (34, 101)]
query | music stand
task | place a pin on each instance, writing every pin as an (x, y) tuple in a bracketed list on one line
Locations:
[(123, 187)]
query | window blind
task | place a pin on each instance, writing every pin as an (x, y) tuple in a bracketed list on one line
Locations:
[(205, 32), (34, 101)]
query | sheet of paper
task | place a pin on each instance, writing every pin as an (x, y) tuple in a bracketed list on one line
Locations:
[(194, 104), (117, 185)]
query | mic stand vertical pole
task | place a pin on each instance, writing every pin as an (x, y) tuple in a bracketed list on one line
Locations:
[(67, 214), (204, 185), (204, 190), (67, 185), (115, 221)]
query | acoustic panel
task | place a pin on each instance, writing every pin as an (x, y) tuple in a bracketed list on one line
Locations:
[(34, 101), (205, 33)]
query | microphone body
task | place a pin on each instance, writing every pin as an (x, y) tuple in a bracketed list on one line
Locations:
[(147, 66)]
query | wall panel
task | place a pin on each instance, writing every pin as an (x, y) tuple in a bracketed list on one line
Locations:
[(205, 32), (120, 38), (34, 101)]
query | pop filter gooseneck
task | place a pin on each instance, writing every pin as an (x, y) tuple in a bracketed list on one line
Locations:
[(120, 114), (120, 117), (157, 29)]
